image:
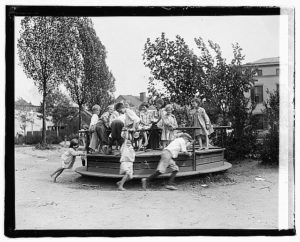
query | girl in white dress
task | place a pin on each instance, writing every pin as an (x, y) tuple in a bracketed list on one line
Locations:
[(68, 158), (167, 123)]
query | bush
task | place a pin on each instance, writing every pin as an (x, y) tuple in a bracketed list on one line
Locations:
[(19, 140), (53, 139), (35, 139), (269, 149), (73, 136)]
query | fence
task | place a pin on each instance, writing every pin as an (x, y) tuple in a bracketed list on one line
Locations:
[(35, 137)]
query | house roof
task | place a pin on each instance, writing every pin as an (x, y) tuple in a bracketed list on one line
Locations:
[(130, 99), (265, 61)]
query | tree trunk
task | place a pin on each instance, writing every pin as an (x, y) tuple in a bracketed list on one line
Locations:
[(44, 119), (79, 117), (25, 136), (57, 134)]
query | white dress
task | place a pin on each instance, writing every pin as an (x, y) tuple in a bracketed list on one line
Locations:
[(68, 158)]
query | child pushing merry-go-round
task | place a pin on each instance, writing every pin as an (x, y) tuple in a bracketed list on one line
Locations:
[(68, 158), (179, 144)]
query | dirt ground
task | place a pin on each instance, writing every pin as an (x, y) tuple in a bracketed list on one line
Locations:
[(244, 197)]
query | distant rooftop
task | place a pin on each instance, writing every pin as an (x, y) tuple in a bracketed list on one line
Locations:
[(265, 61), (132, 100)]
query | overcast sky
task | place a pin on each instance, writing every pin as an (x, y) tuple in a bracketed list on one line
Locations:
[(124, 39)]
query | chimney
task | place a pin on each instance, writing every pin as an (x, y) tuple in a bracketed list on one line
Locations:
[(143, 96)]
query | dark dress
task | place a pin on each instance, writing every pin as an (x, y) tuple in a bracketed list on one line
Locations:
[(154, 137)]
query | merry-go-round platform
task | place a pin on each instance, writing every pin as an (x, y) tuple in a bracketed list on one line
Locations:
[(201, 162)]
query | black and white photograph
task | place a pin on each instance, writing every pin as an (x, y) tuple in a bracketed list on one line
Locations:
[(150, 119)]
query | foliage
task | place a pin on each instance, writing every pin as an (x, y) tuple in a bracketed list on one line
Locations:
[(174, 65), (39, 50), (220, 85), (84, 70), (54, 139), (269, 152), (58, 107), (23, 114), (35, 139)]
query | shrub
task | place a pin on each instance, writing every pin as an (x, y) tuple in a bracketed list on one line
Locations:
[(269, 150), (35, 139), (53, 139), (73, 136)]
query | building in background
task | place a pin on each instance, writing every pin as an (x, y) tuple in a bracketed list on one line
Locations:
[(31, 121), (134, 101), (267, 78)]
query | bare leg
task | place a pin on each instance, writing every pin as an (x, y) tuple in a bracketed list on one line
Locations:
[(121, 183), (150, 178), (140, 142), (164, 143), (200, 143), (58, 173), (55, 172), (207, 142), (146, 139)]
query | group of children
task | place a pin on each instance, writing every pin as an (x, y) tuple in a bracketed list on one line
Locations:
[(125, 125)]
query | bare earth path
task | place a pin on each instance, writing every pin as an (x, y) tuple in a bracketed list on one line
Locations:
[(232, 200)]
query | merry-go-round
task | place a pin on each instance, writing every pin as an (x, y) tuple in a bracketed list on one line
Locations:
[(201, 162)]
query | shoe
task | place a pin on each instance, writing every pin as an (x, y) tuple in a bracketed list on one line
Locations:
[(144, 183), (171, 187)]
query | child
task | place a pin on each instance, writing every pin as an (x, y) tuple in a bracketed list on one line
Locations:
[(159, 104), (68, 158), (201, 121), (129, 120), (168, 123), (180, 144), (127, 159), (94, 120), (103, 127), (145, 123), (154, 136)]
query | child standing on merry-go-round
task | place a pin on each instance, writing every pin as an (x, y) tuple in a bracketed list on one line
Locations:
[(167, 123), (200, 120), (94, 143)]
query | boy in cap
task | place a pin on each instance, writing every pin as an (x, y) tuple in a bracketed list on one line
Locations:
[(179, 144)]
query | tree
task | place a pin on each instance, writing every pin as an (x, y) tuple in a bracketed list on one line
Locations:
[(84, 70), (24, 118), (208, 76), (39, 49), (174, 65), (269, 152), (58, 108)]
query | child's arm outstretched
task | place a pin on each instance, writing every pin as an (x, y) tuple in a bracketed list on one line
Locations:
[(77, 153), (184, 149)]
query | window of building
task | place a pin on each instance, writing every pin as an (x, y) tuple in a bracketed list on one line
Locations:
[(261, 122), (259, 72), (257, 94), (277, 87), (277, 71)]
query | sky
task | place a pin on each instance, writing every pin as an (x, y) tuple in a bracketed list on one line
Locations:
[(124, 39)]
